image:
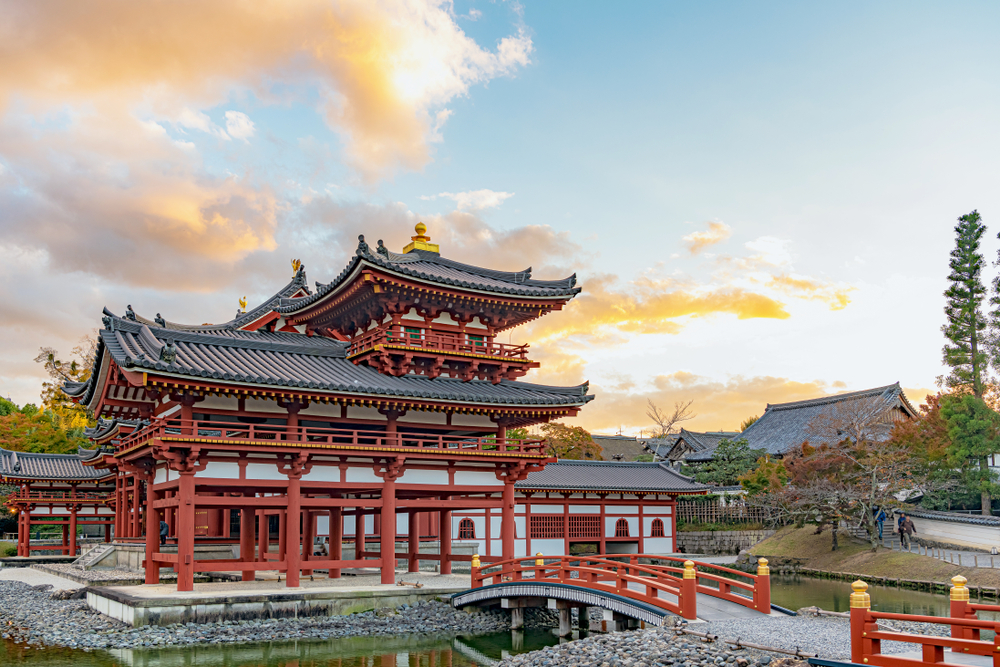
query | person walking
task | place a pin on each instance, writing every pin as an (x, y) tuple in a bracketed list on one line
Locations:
[(880, 520), (906, 529), (164, 529)]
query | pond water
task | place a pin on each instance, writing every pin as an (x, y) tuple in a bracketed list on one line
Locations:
[(424, 651)]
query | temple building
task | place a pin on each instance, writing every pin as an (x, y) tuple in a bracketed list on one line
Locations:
[(369, 410)]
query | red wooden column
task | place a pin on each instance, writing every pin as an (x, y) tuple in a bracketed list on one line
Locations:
[(20, 533), (27, 531), (507, 519), (185, 531), (444, 533), (413, 543), (308, 537), (292, 537), (393, 470), (359, 534), (247, 542), (135, 507), (152, 532), (336, 539), (72, 529), (65, 539)]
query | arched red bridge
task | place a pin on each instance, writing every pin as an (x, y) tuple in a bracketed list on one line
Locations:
[(642, 587)]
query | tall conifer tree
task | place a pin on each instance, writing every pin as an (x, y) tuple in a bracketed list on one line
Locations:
[(965, 352)]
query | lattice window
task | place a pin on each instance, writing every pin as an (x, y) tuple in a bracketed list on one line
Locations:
[(584, 526), (466, 529), (621, 528), (548, 527), (657, 528)]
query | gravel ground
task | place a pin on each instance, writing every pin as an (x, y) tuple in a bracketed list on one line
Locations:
[(30, 614)]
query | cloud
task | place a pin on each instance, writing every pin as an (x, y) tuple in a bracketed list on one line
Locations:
[(384, 70), (717, 233), (473, 200), (834, 295), (239, 125)]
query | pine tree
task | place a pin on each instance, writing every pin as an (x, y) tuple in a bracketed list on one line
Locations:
[(965, 352)]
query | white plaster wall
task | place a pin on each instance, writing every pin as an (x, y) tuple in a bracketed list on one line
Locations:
[(548, 547), (519, 509), (358, 412), (520, 548), (265, 405), (960, 534), (323, 524), (402, 524), (473, 421), (622, 509), (425, 477), (323, 474), (497, 523), (497, 547), (647, 525), (218, 403), (362, 475), (349, 523), (320, 410), (519, 527), (548, 509), (264, 471), (470, 478), (658, 545), (160, 476), (220, 470), (584, 509), (656, 509), (415, 417)]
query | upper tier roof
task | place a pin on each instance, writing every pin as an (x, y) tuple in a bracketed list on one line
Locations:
[(784, 426), (264, 358), (29, 465), (572, 475)]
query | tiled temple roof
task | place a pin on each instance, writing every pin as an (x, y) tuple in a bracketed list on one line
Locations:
[(431, 267), (784, 426), (609, 476), (292, 360), (611, 445), (29, 465), (697, 441)]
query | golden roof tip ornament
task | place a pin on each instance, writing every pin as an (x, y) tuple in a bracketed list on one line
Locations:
[(296, 265), (421, 240), (243, 304)]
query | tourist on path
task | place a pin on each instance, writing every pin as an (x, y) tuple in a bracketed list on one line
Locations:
[(906, 529), (880, 519), (164, 528)]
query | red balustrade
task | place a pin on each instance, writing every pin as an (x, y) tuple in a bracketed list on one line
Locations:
[(435, 342), (867, 637), (42, 496), (214, 431), (641, 581)]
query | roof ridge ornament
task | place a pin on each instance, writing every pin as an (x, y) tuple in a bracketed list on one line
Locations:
[(421, 241), (168, 352), (382, 250), (129, 313), (162, 323), (363, 249)]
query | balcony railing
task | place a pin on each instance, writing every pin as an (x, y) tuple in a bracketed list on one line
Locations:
[(166, 429), (43, 496), (436, 342)]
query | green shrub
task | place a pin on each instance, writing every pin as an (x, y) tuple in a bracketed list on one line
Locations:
[(8, 550)]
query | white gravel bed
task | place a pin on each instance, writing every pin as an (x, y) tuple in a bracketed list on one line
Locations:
[(33, 577)]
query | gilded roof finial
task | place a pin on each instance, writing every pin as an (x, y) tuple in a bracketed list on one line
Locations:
[(296, 263), (243, 303), (421, 240)]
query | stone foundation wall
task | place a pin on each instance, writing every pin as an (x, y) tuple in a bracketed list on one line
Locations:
[(720, 541)]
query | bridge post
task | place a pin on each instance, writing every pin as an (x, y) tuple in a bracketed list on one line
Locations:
[(517, 618), (960, 609), (860, 604), (565, 617), (689, 592), (762, 587)]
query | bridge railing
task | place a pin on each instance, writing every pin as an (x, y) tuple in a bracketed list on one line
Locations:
[(643, 583), (757, 587), (867, 638)]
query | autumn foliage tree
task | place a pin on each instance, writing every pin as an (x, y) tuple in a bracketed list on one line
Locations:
[(63, 411), (29, 429), (570, 442)]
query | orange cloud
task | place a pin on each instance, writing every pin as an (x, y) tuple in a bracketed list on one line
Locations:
[(383, 68), (717, 233), (836, 296)]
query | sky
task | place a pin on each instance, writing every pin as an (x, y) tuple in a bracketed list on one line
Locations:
[(758, 198)]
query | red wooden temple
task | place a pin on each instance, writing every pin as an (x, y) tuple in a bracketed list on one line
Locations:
[(367, 410)]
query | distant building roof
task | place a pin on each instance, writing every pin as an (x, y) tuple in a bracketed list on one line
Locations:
[(44, 467), (568, 475), (680, 446), (611, 445), (784, 426)]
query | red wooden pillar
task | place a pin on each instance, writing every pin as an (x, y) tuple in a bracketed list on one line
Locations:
[(860, 606), (292, 539), (336, 539), (20, 533), (65, 539), (152, 534), (185, 532), (413, 543), (282, 534), (247, 541), (444, 533), (135, 507), (72, 529), (264, 539), (27, 531), (107, 532), (308, 538), (388, 543), (359, 534), (507, 519)]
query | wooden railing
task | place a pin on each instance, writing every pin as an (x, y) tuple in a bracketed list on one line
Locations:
[(213, 431), (43, 496), (626, 576), (457, 344), (737, 511), (866, 637)]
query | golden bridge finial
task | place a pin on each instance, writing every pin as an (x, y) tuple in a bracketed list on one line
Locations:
[(243, 304), (421, 241)]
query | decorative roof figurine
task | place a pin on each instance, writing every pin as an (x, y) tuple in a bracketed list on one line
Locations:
[(160, 321), (243, 305), (296, 265), (168, 352), (420, 241), (382, 250), (363, 248), (129, 313)]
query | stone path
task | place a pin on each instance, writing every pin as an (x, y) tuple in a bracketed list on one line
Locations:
[(955, 556), (36, 578)]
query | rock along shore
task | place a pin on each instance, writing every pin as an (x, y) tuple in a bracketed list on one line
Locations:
[(36, 615)]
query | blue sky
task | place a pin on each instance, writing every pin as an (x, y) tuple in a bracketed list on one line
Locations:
[(814, 157)]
